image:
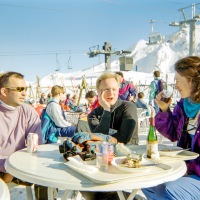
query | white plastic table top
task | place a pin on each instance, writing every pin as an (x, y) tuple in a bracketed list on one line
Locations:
[(4, 192), (46, 167)]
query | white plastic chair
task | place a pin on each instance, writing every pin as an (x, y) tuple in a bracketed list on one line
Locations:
[(52, 193), (29, 191), (143, 121), (71, 195), (67, 194), (4, 191), (72, 117)]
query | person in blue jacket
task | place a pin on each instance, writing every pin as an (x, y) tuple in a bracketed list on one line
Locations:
[(153, 90)]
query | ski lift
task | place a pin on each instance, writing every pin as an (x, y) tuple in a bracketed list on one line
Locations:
[(57, 64), (126, 63), (93, 51), (154, 37), (69, 66)]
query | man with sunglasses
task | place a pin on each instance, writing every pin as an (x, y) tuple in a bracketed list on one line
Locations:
[(17, 120)]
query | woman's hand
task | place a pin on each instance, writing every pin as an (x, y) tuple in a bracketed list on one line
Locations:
[(162, 105)]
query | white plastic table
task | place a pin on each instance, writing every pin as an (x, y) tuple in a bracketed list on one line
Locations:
[(46, 167), (4, 192)]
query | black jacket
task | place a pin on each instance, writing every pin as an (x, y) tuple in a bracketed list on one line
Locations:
[(123, 118)]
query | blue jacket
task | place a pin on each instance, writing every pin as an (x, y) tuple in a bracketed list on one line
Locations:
[(153, 89), (172, 126), (141, 104)]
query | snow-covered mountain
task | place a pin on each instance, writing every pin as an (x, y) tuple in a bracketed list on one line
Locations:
[(146, 57)]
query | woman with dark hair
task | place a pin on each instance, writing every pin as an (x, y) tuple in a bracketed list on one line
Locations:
[(182, 125)]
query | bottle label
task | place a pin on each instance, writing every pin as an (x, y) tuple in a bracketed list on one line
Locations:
[(152, 149), (152, 121)]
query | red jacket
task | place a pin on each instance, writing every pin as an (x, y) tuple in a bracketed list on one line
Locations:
[(94, 105)]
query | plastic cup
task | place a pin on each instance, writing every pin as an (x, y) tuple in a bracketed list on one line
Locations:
[(102, 156), (167, 94)]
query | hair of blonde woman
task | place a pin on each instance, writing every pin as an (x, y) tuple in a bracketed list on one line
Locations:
[(189, 67), (106, 75), (56, 89)]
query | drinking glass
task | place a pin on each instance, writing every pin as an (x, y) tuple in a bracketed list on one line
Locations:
[(102, 156), (167, 94)]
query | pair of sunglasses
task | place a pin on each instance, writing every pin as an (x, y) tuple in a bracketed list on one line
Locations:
[(18, 89)]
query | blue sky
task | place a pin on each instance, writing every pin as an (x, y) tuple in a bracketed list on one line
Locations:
[(38, 37)]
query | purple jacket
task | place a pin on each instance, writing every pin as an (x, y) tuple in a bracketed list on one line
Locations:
[(15, 124), (172, 126), (127, 89)]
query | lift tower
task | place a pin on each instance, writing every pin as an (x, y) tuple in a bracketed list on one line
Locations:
[(107, 51), (192, 24)]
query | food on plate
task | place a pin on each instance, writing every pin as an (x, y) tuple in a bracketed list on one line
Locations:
[(130, 162)]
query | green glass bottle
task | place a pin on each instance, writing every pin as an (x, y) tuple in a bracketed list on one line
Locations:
[(152, 139)]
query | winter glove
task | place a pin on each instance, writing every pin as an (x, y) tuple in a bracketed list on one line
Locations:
[(81, 137), (104, 137)]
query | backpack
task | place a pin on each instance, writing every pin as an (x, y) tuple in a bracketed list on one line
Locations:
[(50, 131), (160, 86)]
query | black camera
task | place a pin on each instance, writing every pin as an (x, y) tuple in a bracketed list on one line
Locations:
[(63, 147), (84, 155), (69, 149)]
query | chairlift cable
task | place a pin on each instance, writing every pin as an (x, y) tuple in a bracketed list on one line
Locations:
[(69, 60)]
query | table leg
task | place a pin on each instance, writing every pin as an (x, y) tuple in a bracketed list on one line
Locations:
[(121, 195), (130, 197), (29, 193), (71, 194), (52, 192)]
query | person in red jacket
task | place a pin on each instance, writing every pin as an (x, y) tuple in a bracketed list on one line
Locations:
[(92, 99)]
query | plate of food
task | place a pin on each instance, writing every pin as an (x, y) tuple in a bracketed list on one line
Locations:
[(170, 150), (132, 165)]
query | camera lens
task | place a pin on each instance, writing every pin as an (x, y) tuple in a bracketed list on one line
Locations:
[(61, 148)]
